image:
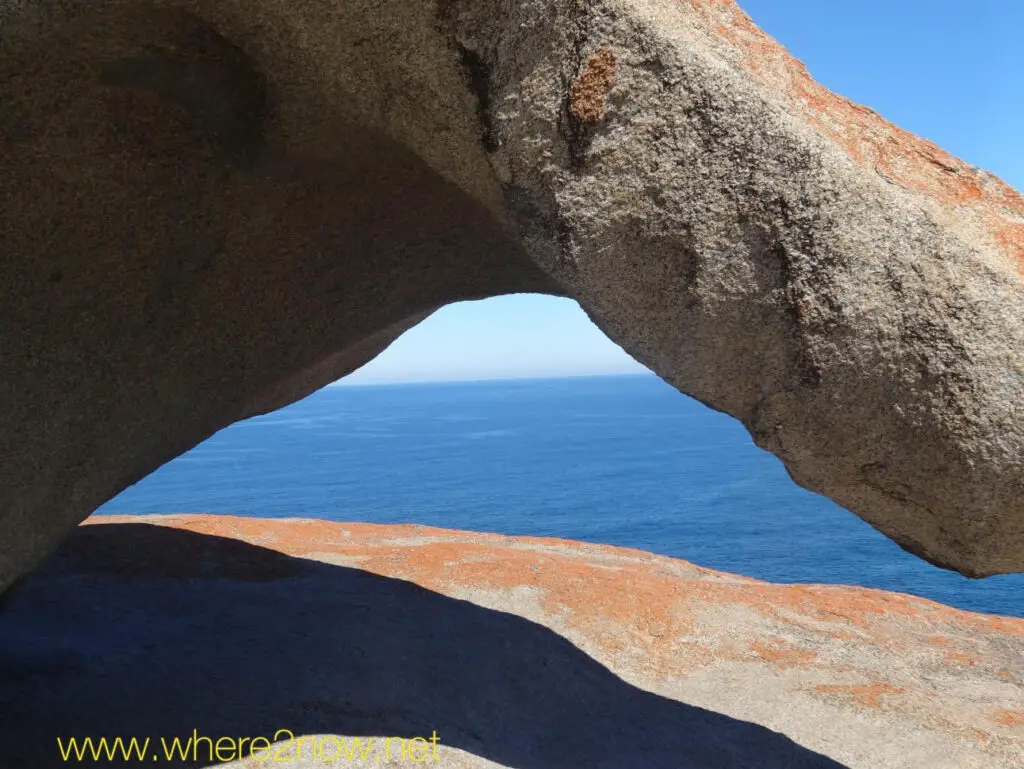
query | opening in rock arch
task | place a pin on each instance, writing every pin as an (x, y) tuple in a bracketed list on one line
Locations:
[(513, 336), (517, 415)]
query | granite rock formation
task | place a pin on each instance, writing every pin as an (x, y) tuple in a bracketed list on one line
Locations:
[(210, 208), (519, 652)]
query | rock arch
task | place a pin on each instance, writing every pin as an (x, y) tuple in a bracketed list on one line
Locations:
[(209, 209)]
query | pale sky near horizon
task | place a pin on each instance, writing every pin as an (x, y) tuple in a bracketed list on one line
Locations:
[(949, 71)]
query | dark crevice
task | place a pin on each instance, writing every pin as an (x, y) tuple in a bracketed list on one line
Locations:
[(572, 129), (479, 82)]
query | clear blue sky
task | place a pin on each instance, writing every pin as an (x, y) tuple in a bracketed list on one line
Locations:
[(948, 70)]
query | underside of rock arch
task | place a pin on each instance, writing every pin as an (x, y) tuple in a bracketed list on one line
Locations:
[(208, 209)]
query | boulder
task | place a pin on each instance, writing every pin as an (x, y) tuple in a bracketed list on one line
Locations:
[(519, 652), (209, 209)]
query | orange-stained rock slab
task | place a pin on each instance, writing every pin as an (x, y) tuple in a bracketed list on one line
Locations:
[(513, 648)]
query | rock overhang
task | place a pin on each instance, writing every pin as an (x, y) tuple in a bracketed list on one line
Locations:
[(210, 210)]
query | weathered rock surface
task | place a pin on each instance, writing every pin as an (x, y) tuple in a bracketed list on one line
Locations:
[(519, 652), (210, 208)]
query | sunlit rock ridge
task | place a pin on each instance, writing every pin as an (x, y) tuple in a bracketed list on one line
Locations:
[(519, 652)]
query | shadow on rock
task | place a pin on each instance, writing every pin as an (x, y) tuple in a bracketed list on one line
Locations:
[(139, 630)]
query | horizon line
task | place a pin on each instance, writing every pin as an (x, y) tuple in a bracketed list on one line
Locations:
[(344, 382)]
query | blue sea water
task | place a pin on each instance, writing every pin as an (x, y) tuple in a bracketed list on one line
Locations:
[(617, 460)]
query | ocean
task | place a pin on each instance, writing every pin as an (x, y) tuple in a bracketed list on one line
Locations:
[(621, 460)]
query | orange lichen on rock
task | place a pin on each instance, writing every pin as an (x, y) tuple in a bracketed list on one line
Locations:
[(902, 158), (588, 92), (590, 583), (1009, 717), (783, 654), (661, 622), (867, 695), (961, 658)]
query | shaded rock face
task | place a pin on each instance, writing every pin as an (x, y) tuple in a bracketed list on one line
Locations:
[(519, 652), (210, 209)]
